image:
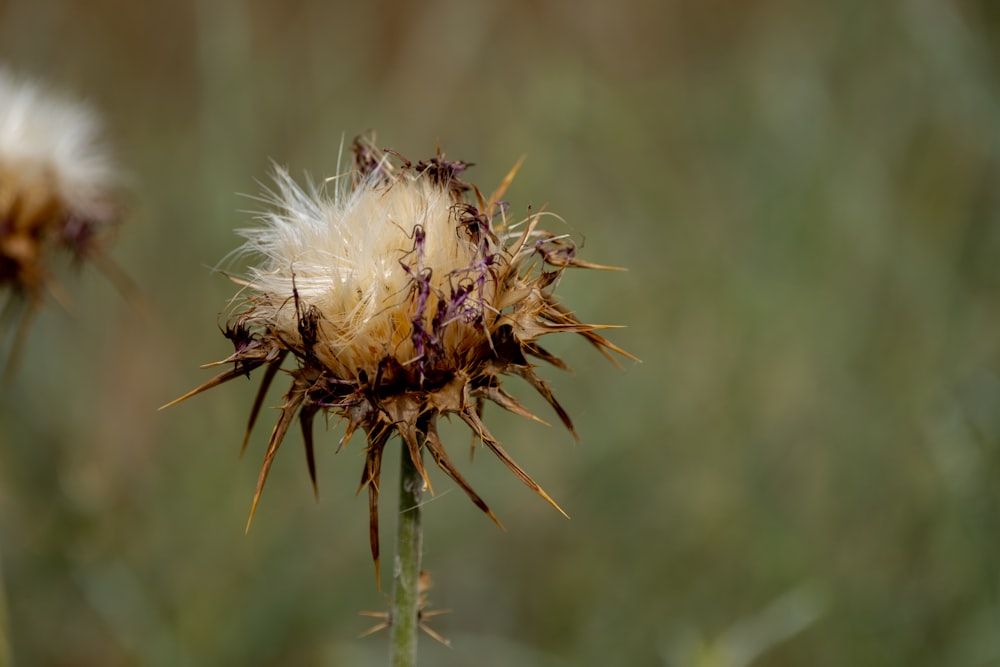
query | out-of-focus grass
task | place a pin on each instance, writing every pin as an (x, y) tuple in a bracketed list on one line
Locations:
[(802, 471)]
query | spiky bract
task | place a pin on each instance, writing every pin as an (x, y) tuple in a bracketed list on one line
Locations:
[(402, 297)]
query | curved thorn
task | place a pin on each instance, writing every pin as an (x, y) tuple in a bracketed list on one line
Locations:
[(258, 402), (477, 425), (543, 388), (293, 399), (221, 378), (306, 415), (437, 450)]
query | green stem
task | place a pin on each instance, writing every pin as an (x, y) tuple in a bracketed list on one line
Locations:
[(5, 652), (406, 568)]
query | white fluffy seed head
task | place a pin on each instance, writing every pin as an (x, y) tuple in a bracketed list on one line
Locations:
[(353, 256), (50, 153)]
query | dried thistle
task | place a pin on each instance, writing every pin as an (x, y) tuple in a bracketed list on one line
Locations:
[(57, 192), (405, 296)]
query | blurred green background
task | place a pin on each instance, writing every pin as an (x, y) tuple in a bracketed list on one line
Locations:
[(803, 470)]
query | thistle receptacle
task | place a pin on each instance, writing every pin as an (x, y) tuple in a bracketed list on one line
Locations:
[(404, 295)]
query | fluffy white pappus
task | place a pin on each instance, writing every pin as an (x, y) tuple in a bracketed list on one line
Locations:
[(50, 146), (353, 255)]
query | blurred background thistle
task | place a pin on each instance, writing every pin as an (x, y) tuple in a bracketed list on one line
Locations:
[(57, 194), (804, 195)]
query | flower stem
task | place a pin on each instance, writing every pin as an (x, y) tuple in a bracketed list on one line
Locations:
[(406, 578), (5, 651)]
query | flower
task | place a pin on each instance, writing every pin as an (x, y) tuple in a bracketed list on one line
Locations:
[(56, 181), (403, 297), (57, 190)]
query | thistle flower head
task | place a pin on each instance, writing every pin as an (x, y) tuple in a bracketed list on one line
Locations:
[(56, 182), (402, 295)]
